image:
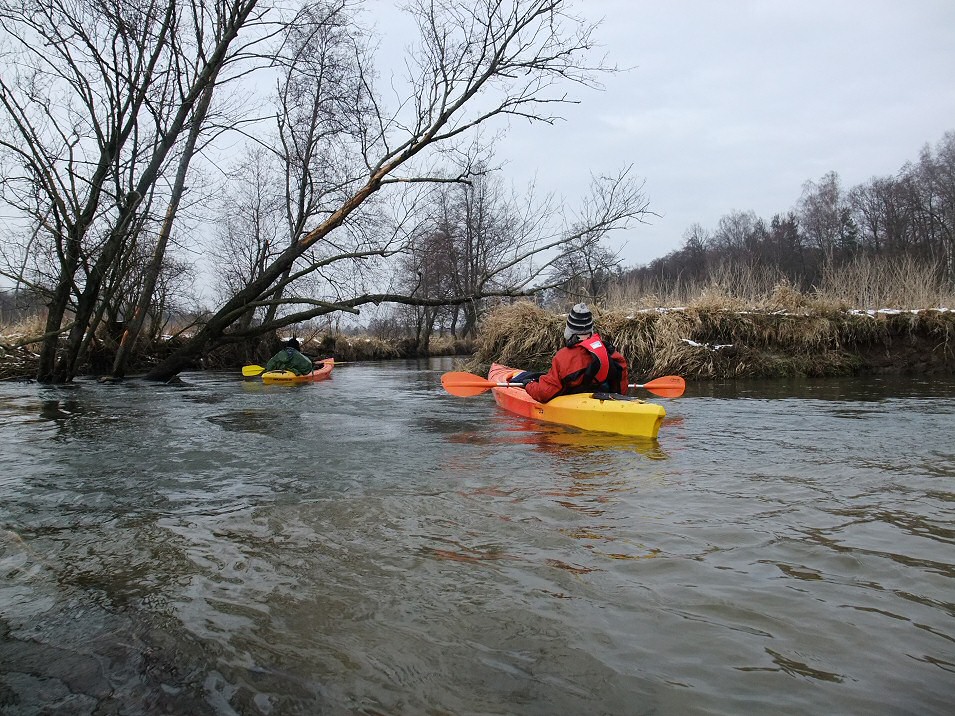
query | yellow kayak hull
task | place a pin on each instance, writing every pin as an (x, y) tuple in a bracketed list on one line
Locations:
[(624, 416)]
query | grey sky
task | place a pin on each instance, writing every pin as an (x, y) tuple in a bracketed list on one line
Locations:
[(734, 104)]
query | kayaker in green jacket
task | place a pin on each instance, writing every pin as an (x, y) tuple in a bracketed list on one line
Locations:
[(289, 358)]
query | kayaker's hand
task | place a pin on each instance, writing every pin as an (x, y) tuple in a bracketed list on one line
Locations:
[(524, 377)]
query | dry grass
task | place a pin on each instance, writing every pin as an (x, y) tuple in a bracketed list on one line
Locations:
[(728, 285), (19, 346), (864, 283), (713, 342), (754, 322), (740, 322), (875, 283), (520, 334), (24, 332)]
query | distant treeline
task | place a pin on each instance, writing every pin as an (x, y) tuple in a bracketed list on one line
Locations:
[(910, 215)]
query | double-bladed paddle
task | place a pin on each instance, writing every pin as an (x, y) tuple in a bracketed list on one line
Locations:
[(465, 385), (250, 371)]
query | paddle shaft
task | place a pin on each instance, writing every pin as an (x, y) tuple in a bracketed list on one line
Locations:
[(467, 384)]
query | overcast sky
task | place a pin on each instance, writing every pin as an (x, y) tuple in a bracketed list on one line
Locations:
[(734, 104)]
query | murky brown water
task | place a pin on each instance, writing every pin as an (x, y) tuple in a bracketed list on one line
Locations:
[(372, 545)]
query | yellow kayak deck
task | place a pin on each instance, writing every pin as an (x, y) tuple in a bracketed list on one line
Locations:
[(611, 414)]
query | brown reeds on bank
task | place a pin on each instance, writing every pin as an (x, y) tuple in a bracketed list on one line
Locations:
[(19, 357), (716, 335), (349, 349), (710, 342)]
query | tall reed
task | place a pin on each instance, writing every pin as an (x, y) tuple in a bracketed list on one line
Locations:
[(863, 283)]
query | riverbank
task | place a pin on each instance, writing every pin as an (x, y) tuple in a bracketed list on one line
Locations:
[(709, 343), (698, 343), (19, 362)]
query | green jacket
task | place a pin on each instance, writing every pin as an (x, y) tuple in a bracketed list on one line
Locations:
[(290, 359)]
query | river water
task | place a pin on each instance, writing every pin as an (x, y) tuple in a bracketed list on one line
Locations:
[(373, 545)]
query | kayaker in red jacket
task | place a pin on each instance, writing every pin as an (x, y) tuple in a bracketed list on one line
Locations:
[(585, 364)]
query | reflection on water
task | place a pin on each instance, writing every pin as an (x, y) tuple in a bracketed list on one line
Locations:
[(373, 545), (558, 440)]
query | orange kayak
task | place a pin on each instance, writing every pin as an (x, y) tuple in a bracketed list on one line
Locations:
[(613, 414), (287, 377)]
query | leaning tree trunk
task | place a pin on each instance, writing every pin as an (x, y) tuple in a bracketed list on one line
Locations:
[(425, 329), (56, 310), (131, 335), (87, 302), (211, 333), (454, 321), (470, 320)]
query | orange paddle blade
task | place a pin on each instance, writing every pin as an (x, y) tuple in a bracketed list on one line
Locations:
[(669, 386), (465, 385)]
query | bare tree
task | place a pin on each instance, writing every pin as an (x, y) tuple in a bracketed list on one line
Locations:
[(427, 268), (467, 242), (586, 274), (248, 228), (821, 212), (100, 175), (152, 270), (476, 61), (936, 172), (735, 234), (129, 77), (322, 103)]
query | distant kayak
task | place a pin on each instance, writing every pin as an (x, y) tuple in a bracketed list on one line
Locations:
[(604, 413), (287, 377)]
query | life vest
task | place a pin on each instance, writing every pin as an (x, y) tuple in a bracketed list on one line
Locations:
[(596, 347)]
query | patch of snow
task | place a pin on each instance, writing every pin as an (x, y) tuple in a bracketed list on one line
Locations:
[(708, 346)]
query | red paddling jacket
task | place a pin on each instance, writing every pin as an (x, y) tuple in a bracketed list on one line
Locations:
[(586, 367)]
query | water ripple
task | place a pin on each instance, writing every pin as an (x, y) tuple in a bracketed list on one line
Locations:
[(373, 545)]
